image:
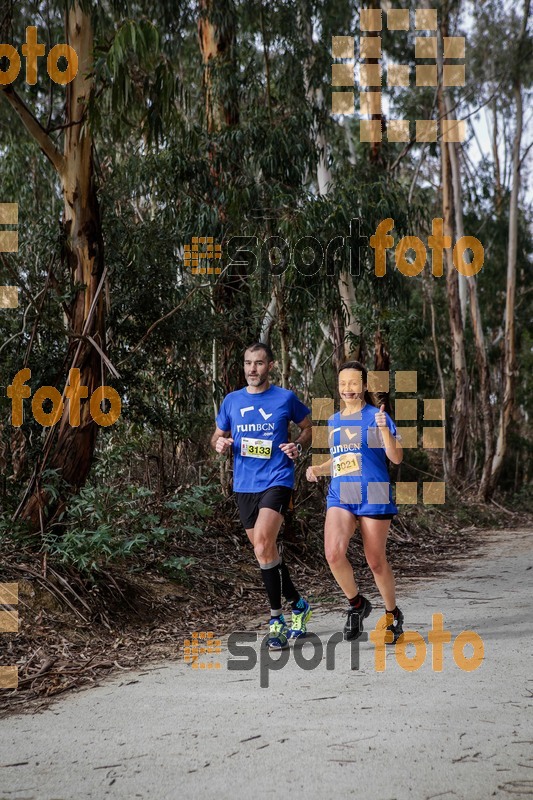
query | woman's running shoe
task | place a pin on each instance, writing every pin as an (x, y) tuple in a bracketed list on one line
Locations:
[(279, 633), (300, 618), (354, 621), (397, 627)]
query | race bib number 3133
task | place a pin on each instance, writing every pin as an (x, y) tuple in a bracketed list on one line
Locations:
[(256, 448)]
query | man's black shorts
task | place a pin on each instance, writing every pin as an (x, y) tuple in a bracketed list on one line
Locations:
[(277, 497)]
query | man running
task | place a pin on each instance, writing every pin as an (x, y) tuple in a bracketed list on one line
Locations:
[(254, 423)]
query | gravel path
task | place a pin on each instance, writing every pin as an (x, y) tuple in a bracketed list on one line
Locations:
[(171, 731)]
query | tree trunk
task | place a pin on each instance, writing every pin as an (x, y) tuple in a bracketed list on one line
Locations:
[(352, 328), (381, 364), (217, 46), (509, 355), (428, 284), (477, 326), (268, 320), (70, 449), (459, 411), (217, 40), (375, 147), (498, 193), (324, 182), (337, 337), (284, 331)]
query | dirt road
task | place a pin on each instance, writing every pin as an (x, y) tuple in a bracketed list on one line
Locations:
[(171, 731)]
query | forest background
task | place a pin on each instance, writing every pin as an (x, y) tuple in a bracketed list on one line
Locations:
[(213, 118)]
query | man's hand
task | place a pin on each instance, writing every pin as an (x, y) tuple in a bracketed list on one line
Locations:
[(381, 418), (223, 444), (290, 449)]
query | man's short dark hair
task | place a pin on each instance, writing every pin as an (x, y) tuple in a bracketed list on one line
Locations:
[(261, 346)]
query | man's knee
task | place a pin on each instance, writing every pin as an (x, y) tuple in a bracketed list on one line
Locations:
[(264, 548), (260, 547)]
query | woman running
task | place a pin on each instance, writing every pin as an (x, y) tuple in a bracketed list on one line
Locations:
[(360, 440)]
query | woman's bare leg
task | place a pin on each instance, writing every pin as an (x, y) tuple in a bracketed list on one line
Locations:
[(338, 530), (374, 533)]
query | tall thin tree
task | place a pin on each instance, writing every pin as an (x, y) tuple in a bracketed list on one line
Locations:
[(70, 449)]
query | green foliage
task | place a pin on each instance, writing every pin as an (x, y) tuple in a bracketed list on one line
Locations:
[(177, 567), (163, 178), (102, 525), (114, 520), (105, 525)]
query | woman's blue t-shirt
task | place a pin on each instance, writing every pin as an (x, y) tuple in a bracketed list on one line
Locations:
[(360, 477)]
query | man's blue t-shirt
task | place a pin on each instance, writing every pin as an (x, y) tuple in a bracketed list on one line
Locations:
[(259, 423), (360, 477)]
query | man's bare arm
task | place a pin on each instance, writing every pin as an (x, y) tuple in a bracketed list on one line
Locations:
[(289, 448), (221, 440), (306, 427)]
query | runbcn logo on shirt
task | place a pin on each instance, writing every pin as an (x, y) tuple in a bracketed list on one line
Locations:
[(253, 426), (343, 448)]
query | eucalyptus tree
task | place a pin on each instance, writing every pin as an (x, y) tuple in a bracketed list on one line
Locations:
[(520, 75), (59, 123), (501, 82)]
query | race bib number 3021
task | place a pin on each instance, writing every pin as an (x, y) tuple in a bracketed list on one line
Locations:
[(256, 448), (346, 464)]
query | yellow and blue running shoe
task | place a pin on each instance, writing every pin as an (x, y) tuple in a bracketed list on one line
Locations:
[(300, 617), (279, 633)]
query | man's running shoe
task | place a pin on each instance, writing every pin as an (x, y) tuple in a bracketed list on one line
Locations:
[(279, 634), (354, 621), (300, 618), (396, 628)]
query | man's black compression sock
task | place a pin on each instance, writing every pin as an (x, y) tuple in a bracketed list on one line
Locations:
[(272, 580), (290, 593)]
